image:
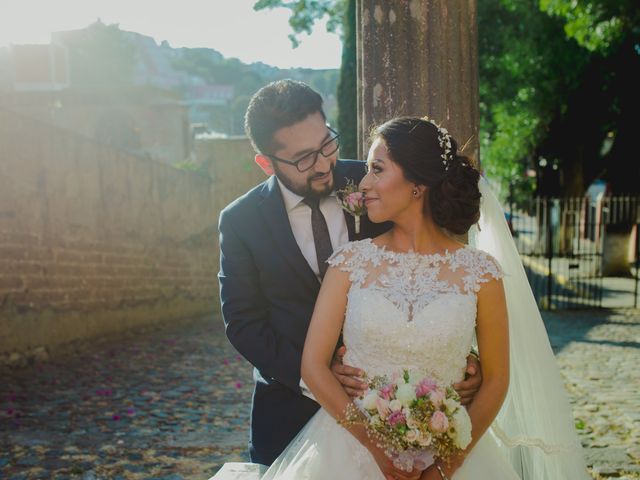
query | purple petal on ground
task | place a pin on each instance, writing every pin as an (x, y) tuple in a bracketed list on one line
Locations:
[(239, 357), (131, 411), (238, 385), (225, 361), (116, 417)]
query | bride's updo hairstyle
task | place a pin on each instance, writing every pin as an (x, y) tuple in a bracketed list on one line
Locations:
[(428, 156)]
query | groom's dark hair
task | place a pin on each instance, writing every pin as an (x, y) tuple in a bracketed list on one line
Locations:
[(277, 105)]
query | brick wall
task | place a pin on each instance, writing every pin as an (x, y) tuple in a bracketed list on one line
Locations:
[(94, 241), (231, 166)]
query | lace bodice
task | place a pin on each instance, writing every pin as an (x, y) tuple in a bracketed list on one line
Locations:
[(409, 310)]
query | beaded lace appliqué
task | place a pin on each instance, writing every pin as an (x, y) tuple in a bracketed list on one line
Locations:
[(410, 280), (411, 311)]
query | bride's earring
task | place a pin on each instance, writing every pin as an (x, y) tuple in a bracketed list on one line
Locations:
[(415, 193)]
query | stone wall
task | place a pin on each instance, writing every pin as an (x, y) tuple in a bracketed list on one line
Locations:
[(143, 121), (94, 241), (230, 164)]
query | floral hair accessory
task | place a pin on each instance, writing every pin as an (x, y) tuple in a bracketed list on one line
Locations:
[(352, 200), (444, 140)]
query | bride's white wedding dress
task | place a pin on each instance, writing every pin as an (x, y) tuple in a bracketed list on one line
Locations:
[(405, 310)]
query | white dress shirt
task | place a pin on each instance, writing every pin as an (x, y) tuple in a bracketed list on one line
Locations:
[(299, 214)]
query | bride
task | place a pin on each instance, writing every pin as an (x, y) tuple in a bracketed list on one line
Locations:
[(414, 298)]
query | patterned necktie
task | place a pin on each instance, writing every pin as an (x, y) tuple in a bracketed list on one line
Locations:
[(321, 237)]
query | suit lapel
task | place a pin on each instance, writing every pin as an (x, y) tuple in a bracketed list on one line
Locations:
[(351, 226), (275, 215)]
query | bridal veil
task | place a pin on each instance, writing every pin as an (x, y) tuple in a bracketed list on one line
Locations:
[(535, 427)]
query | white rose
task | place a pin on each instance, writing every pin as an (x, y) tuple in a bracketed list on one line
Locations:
[(412, 435), (451, 404), (462, 424), (395, 405), (411, 422), (369, 401), (406, 394), (425, 439)]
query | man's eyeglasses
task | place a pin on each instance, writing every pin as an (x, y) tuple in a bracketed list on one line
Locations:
[(307, 161)]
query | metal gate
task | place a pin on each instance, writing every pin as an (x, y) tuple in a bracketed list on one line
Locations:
[(580, 252)]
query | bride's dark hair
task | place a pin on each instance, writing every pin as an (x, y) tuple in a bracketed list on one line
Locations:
[(427, 158)]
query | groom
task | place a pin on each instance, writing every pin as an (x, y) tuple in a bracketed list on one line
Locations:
[(274, 242)]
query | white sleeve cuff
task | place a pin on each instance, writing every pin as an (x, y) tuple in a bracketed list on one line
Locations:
[(305, 391)]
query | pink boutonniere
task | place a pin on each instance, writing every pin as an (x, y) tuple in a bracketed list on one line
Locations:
[(352, 200)]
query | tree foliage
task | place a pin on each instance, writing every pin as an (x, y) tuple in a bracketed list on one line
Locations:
[(103, 56), (348, 87), (341, 18), (558, 81), (600, 25), (305, 13), (246, 79), (527, 67)]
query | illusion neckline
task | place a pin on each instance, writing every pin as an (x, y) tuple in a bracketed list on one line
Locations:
[(411, 253)]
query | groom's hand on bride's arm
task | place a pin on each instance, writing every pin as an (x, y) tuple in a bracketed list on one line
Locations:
[(468, 388), (349, 377)]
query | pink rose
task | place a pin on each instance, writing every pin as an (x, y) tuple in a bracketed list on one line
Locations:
[(439, 422), (354, 199), (437, 397), (425, 387), (396, 418), (382, 406), (387, 391)]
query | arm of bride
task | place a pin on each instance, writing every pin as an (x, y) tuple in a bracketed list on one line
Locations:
[(492, 329), (322, 336)]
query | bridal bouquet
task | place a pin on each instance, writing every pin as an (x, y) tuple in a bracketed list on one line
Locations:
[(352, 200), (412, 421)]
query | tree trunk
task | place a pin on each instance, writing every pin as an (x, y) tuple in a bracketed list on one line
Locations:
[(419, 57)]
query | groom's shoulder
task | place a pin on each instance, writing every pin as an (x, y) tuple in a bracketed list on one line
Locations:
[(245, 203), (352, 169)]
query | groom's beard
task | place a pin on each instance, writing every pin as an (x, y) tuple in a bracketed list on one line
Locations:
[(308, 190)]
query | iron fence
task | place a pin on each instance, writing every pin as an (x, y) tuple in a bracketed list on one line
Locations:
[(580, 252)]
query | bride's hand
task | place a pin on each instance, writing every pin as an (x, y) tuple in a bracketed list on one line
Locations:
[(468, 388), (431, 473), (349, 377), (386, 466)]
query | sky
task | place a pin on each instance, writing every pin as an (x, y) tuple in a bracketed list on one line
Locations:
[(230, 26)]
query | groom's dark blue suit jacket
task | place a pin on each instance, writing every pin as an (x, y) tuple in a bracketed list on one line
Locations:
[(268, 291)]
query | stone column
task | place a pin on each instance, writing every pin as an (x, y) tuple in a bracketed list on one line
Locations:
[(419, 57)]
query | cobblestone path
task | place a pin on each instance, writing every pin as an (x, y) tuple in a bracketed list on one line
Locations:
[(172, 403)]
